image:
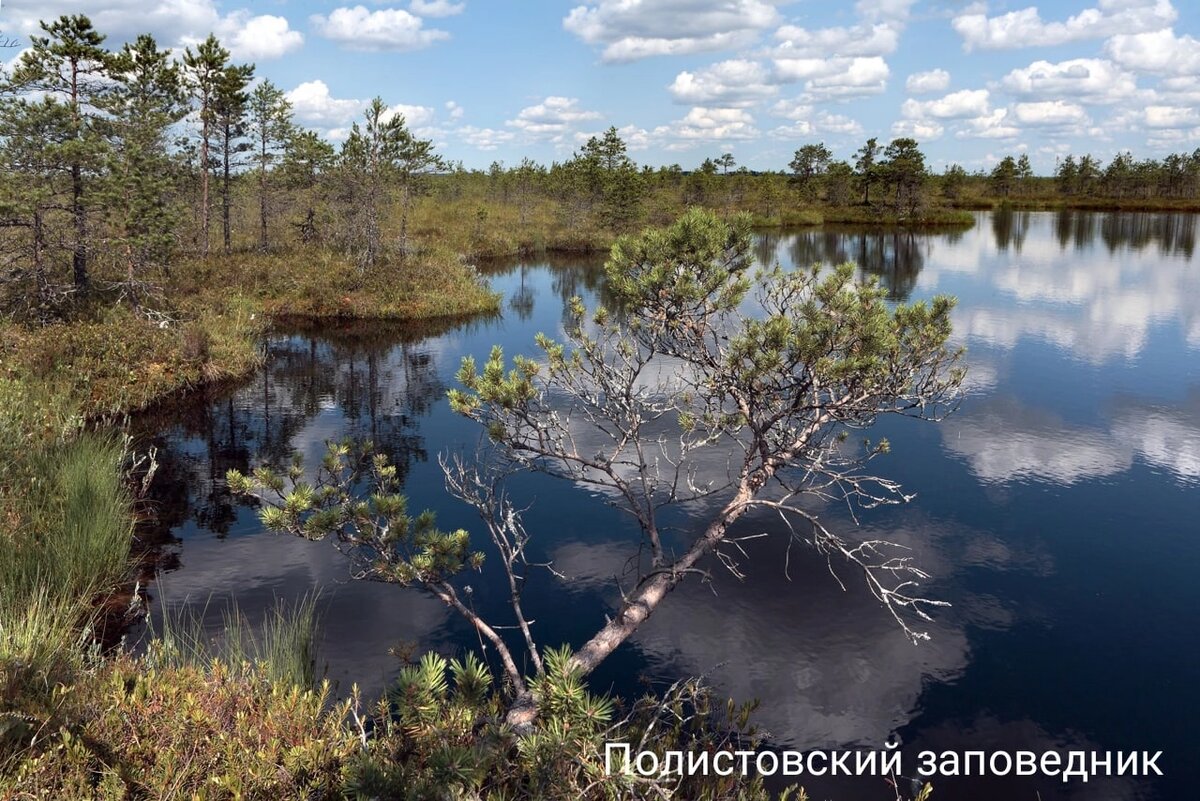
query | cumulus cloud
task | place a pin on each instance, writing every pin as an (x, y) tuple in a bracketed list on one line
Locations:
[(386, 29), (484, 138), (831, 78), (552, 118), (738, 82), (172, 22), (1088, 80), (879, 39), (840, 63), (807, 123), (1171, 117), (922, 130), (956, 105), (920, 83), (314, 105), (436, 8), (1157, 52), (1050, 113), (630, 30), (996, 124), (714, 125), (1026, 28), (884, 9), (416, 117), (258, 38)]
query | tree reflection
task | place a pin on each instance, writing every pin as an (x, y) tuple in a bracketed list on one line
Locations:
[(360, 380), (1173, 234), (894, 256), (1010, 228)]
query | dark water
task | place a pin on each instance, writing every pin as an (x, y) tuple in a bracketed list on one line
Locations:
[(1057, 511)]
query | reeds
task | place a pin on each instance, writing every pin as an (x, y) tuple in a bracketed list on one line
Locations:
[(282, 646)]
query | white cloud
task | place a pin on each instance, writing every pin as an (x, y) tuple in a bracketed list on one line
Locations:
[(954, 106), (635, 138), (921, 130), (552, 118), (415, 117), (711, 125), (1026, 28), (879, 39), (436, 8), (838, 124), (738, 82), (1049, 113), (797, 130), (1171, 117), (169, 20), (454, 110), (995, 125), (258, 38), (1089, 80), (792, 110), (828, 78), (635, 29), (1158, 52), (172, 22), (386, 29), (484, 138), (806, 122), (920, 83), (314, 105), (884, 9)]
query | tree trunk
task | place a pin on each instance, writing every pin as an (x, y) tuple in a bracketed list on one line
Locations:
[(39, 247), (79, 250), (262, 205), (404, 208), (79, 254), (204, 178), (653, 590), (225, 192)]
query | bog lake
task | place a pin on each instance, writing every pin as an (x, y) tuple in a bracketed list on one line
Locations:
[(1057, 510)]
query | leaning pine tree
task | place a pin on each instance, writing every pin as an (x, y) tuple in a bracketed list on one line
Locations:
[(705, 362)]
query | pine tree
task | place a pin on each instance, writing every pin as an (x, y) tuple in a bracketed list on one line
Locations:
[(867, 166), (230, 104), (271, 128), (70, 64), (305, 159), (140, 192), (415, 160), (34, 143), (367, 161), (205, 67)]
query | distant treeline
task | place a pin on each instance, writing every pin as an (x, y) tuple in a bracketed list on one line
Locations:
[(117, 164)]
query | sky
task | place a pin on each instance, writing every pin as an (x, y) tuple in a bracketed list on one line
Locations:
[(683, 80)]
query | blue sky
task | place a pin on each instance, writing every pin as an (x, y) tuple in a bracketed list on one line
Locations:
[(686, 79)]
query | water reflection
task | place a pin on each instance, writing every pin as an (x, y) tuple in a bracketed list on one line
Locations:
[(1010, 228), (895, 257), (1083, 426), (836, 672)]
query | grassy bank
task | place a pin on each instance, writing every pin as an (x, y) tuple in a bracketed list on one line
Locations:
[(65, 534), (1059, 203), (248, 718), (108, 360)]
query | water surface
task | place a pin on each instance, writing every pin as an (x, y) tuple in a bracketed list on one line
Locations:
[(1056, 510)]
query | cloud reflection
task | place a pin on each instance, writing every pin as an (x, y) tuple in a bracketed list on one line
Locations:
[(831, 665)]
